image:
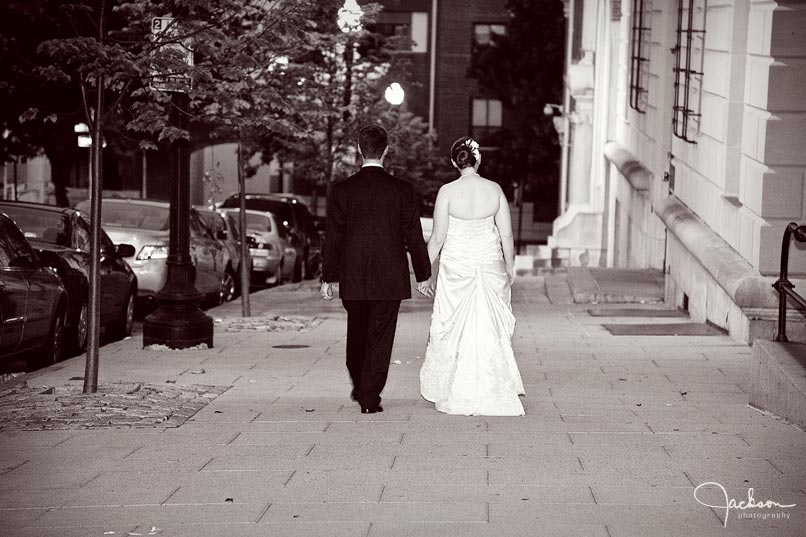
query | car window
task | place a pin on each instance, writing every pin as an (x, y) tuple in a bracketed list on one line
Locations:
[(214, 222), (233, 225), (5, 253), (281, 209), (107, 245), (258, 222), (136, 215), (197, 226), (41, 225), (81, 235), (19, 252)]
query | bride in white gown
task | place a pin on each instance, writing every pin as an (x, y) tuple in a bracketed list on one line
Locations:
[(469, 366)]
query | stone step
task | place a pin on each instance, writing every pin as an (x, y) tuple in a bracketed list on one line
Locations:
[(615, 285)]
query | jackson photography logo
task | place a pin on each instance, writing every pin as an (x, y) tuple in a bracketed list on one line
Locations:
[(726, 503)]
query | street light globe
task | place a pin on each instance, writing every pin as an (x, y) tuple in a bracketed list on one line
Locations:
[(350, 15), (394, 94)]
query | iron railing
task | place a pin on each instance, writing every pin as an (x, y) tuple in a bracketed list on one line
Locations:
[(784, 287)]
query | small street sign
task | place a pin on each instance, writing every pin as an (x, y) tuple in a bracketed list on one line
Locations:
[(164, 28)]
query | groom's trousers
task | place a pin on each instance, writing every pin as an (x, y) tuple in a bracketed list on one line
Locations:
[(371, 328)]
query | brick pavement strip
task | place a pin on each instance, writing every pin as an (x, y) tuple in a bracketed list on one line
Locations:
[(114, 405)]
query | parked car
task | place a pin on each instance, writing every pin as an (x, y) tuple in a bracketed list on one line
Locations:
[(33, 300), (225, 230), (145, 224), (295, 217), (61, 238), (273, 257)]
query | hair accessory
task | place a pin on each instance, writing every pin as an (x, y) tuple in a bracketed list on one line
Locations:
[(474, 147)]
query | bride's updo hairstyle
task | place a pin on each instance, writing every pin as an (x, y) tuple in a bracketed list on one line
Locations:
[(465, 152)]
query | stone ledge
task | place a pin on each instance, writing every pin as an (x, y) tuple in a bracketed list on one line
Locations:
[(743, 284), (778, 379), (628, 165)]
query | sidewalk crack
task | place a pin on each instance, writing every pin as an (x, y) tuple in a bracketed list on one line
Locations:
[(593, 495), (774, 466), (65, 440), (579, 460), (266, 510), (383, 489), (163, 502), (132, 452), (293, 473), (394, 460), (309, 451), (206, 463), (231, 440), (12, 468)]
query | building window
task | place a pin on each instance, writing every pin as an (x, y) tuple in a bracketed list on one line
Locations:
[(410, 30), (688, 68), (641, 41), (487, 119), (483, 33)]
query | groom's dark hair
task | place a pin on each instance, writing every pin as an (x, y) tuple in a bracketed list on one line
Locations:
[(372, 140)]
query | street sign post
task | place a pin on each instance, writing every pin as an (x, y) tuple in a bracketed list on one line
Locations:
[(166, 30)]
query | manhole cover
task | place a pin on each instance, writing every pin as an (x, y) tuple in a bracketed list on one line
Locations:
[(662, 329), (290, 346), (634, 312)]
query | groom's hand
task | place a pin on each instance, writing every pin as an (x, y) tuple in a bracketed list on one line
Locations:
[(425, 288), (326, 291)]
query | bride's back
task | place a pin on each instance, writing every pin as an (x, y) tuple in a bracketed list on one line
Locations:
[(472, 198)]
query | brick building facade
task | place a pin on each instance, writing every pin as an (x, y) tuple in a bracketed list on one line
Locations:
[(443, 33)]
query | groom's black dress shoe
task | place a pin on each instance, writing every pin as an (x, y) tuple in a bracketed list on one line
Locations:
[(371, 410)]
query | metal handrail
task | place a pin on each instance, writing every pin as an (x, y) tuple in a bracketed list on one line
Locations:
[(784, 287)]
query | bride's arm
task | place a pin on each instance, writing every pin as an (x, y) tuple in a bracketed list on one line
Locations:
[(503, 221), (440, 229)]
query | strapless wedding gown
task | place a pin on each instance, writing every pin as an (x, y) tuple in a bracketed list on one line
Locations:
[(469, 366)]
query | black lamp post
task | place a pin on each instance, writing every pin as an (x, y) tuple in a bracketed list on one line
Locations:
[(178, 322)]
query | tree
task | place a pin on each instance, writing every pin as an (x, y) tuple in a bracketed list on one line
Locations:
[(524, 68), (52, 54), (340, 79)]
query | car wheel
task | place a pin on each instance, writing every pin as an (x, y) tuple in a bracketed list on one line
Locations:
[(78, 339), (280, 270), (123, 327), (227, 293), (299, 269)]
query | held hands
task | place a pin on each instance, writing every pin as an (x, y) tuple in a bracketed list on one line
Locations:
[(326, 291), (426, 288)]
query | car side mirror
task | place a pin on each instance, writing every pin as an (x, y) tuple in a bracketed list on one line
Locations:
[(125, 250)]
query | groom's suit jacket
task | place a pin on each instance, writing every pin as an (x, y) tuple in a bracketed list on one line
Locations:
[(372, 217)]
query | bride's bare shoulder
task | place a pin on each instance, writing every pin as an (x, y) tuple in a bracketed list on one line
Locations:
[(491, 184)]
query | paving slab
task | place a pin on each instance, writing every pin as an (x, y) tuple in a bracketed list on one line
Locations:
[(619, 431)]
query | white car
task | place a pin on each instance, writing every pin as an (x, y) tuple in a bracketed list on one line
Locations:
[(273, 256), (145, 225)]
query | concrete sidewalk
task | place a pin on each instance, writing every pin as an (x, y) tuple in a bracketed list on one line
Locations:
[(618, 433)]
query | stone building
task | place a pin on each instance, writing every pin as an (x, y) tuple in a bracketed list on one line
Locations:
[(686, 122)]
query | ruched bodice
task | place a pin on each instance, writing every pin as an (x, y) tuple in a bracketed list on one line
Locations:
[(472, 241), (469, 365)]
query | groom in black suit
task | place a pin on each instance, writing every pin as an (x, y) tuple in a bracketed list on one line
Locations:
[(372, 217)]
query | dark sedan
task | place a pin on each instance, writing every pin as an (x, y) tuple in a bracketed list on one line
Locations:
[(33, 300), (61, 238)]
